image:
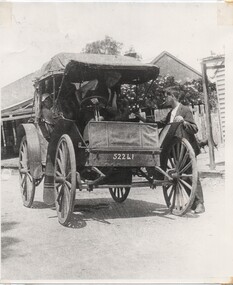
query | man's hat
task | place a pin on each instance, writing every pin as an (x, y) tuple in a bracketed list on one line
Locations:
[(173, 90), (45, 96)]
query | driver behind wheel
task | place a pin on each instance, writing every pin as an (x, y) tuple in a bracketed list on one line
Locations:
[(46, 111), (105, 87), (105, 109)]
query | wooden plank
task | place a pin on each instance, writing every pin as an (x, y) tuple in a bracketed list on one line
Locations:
[(220, 71), (208, 117), (203, 126), (222, 98), (202, 109), (221, 89), (217, 128), (220, 83), (220, 79), (216, 66), (14, 133), (17, 118), (3, 134)]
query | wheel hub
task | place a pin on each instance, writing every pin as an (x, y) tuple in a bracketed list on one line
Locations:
[(174, 174), (60, 180)]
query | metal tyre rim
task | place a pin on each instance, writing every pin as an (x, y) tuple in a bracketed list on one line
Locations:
[(65, 179)]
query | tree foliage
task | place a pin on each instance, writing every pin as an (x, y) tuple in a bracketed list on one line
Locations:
[(106, 46), (152, 96)]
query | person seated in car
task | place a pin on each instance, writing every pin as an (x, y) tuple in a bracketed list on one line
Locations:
[(123, 112), (110, 91), (67, 102), (105, 87), (105, 109), (47, 115)]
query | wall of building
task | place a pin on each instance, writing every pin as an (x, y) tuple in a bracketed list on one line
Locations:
[(220, 85), (18, 91), (169, 66), (9, 142)]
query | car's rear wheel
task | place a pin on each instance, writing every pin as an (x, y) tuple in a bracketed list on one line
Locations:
[(119, 194), (179, 161)]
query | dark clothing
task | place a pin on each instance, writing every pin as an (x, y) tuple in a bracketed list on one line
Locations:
[(187, 131), (47, 116), (109, 113), (199, 195)]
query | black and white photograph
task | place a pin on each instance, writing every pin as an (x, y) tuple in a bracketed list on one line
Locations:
[(116, 151)]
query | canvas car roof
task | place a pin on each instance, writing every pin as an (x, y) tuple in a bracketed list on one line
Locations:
[(81, 67)]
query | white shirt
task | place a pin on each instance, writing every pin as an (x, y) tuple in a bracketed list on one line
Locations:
[(173, 113)]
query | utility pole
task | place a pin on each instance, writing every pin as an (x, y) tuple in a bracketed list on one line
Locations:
[(208, 116)]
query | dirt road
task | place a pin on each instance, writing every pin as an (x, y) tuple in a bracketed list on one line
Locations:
[(134, 240)]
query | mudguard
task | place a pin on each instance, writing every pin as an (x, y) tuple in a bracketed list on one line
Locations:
[(62, 127), (34, 151)]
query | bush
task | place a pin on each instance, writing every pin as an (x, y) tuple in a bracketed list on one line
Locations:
[(152, 96)]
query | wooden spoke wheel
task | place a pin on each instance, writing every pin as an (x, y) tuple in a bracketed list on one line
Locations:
[(27, 182), (179, 161), (65, 179), (119, 194)]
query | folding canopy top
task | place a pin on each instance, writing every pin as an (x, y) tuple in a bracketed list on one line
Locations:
[(79, 67)]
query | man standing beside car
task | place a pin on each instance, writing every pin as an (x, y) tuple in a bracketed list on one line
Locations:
[(186, 129)]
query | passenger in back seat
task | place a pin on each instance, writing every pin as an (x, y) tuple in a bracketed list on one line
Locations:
[(123, 111)]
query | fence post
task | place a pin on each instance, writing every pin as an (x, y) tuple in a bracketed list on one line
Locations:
[(208, 117)]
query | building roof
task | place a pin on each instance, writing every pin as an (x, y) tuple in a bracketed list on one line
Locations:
[(18, 91), (215, 62), (165, 53), (17, 111)]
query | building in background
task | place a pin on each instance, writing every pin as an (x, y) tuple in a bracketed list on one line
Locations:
[(17, 91), (220, 86), (182, 72), (17, 99), (172, 66), (215, 69), (16, 108)]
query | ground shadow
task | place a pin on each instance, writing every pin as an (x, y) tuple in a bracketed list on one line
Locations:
[(220, 163), (40, 205), (7, 243), (6, 226), (104, 209)]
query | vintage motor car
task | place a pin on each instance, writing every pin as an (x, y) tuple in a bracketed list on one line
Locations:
[(81, 138)]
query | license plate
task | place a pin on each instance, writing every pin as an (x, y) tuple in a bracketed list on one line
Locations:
[(123, 156)]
